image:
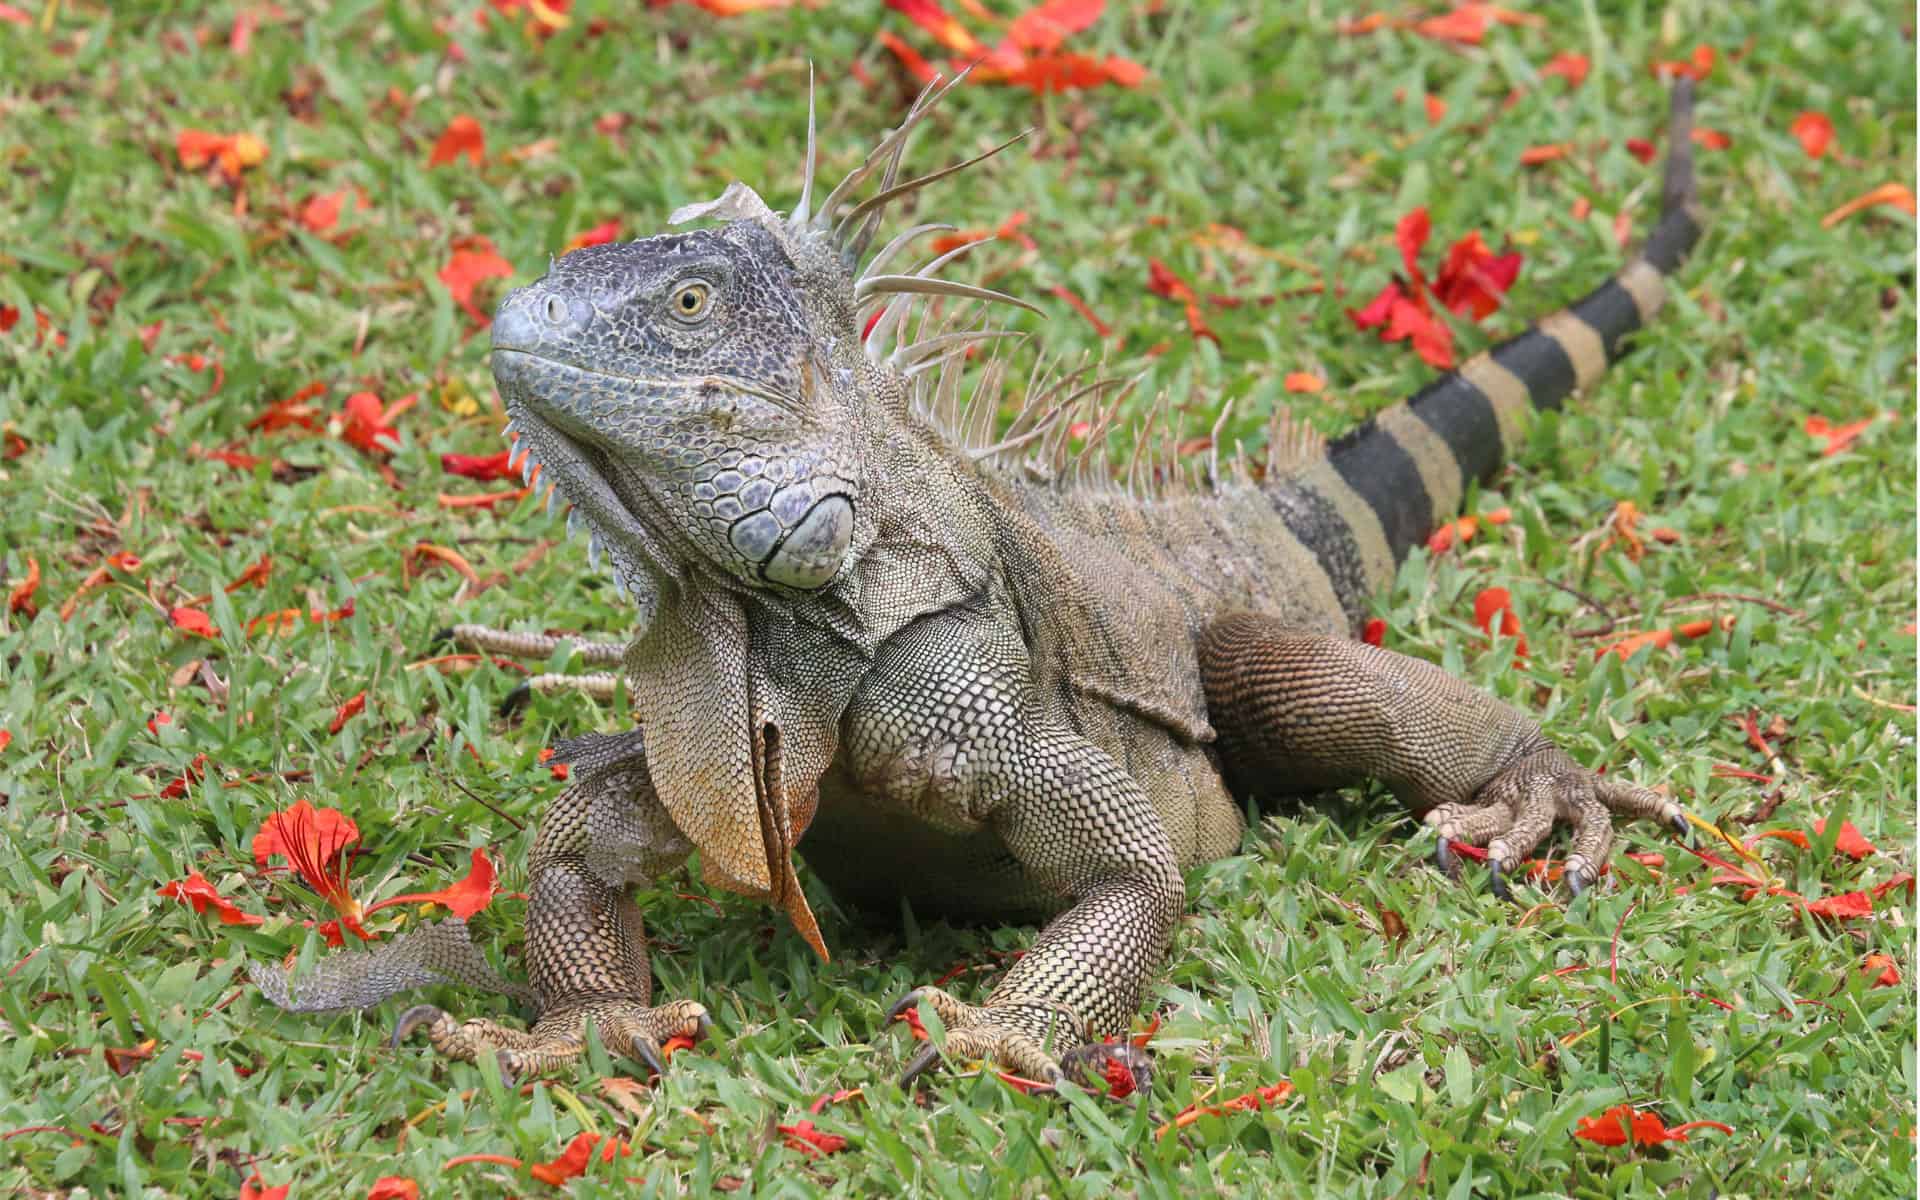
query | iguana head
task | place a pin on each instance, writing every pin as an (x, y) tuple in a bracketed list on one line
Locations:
[(702, 397)]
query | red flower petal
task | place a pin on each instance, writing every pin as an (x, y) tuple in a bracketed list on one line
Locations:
[(197, 890), (479, 466), (1043, 27), (1569, 66), (346, 712), (193, 621), (255, 1188), (1641, 149), (1815, 131), (1850, 842), (1411, 236), (599, 235), (464, 898), (1375, 633), (463, 135), (474, 259), (1843, 907), (574, 1161), (1378, 310), (1496, 602), (1888, 972), (363, 425)]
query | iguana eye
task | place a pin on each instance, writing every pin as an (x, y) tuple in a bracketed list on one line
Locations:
[(691, 300)]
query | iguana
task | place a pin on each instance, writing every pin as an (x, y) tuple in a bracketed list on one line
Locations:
[(980, 674)]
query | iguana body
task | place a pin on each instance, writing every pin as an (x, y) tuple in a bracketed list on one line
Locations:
[(979, 685)]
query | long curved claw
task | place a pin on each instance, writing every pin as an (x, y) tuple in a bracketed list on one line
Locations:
[(921, 1062), (441, 639), (412, 1019), (1446, 860), (1577, 882), (649, 1054), (1685, 829), (1500, 889)]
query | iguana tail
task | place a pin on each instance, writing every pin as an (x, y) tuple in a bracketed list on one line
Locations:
[(1382, 488)]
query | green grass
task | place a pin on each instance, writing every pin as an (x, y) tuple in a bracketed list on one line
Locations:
[(1428, 1064)]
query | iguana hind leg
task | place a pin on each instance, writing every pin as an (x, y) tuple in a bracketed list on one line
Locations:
[(1296, 711)]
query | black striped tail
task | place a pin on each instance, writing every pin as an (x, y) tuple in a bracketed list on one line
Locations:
[(1387, 484)]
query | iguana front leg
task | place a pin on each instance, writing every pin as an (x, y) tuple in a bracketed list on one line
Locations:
[(950, 728), (586, 946), (1300, 712)]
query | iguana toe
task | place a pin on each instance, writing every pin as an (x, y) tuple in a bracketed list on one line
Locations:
[(1018, 1036)]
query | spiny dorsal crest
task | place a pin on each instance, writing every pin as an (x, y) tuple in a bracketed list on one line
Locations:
[(910, 331)]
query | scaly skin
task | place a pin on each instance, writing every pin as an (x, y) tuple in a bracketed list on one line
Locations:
[(997, 693)]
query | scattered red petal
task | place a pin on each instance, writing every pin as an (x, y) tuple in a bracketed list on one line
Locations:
[(321, 212), (199, 892), (1162, 281), (20, 599), (1043, 27), (1436, 110), (1080, 306), (483, 467), (463, 135), (364, 425), (256, 575), (1568, 66), (1697, 67), (1497, 602), (1815, 131), (1473, 278), (1850, 842), (1432, 341), (291, 412), (255, 1188), (579, 1154), (1533, 156), (1246, 1102), (1903, 879), (465, 898), (156, 721), (1843, 907), (14, 16), (231, 153), (599, 235), (6, 738), (1641, 149), (1888, 973), (1712, 139), (944, 29), (1611, 1128), (186, 779), (346, 712), (474, 259), (1303, 382), (915, 63), (1410, 234), (1836, 439), (193, 621), (1893, 195), (1468, 23), (1375, 632)]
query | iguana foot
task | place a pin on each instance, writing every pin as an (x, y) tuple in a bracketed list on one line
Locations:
[(484, 639), (1019, 1036), (1512, 814), (558, 1038)]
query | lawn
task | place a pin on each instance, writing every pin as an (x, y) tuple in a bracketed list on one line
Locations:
[(219, 350)]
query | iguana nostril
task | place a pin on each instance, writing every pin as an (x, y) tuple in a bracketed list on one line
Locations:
[(556, 310)]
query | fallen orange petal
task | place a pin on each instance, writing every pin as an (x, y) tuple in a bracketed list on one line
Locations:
[(1894, 195), (463, 136), (1814, 131), (1533, 156)]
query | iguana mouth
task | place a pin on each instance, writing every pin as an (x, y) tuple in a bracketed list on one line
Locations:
[(581, 474)]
